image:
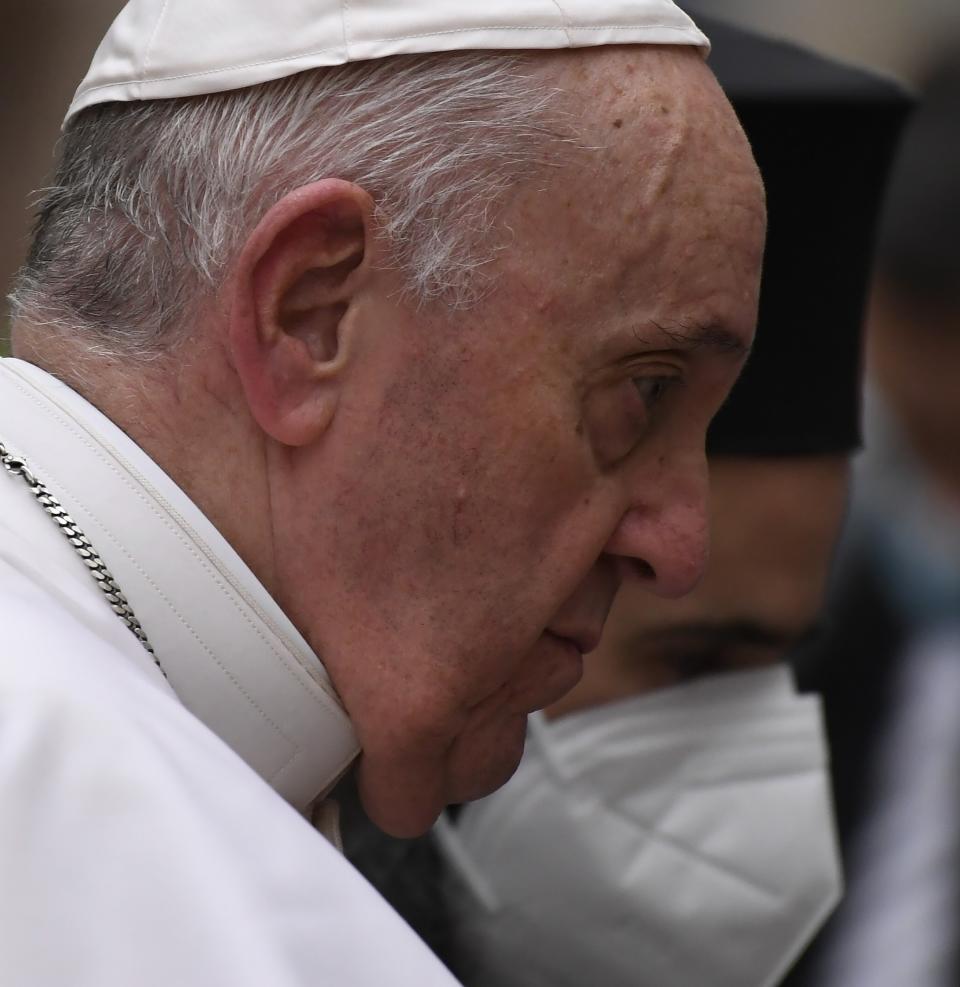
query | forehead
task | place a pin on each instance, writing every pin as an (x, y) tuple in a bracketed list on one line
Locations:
[(657, 210)]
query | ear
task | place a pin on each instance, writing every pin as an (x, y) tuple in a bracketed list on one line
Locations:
[(292, 318)]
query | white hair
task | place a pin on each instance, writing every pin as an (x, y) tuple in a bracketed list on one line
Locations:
[(153, 200)]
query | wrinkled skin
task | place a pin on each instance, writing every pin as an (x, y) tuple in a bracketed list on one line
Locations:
[(511, 474), (445, 503)]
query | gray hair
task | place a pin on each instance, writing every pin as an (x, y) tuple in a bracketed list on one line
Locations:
[(153, 200)]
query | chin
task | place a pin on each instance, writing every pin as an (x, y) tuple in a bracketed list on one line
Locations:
[(490, 755), (554, 668), (490, 759)]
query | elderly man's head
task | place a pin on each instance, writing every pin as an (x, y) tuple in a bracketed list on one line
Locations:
[(435, 343)]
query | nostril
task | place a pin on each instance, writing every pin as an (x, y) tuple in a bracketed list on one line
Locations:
[(643, 571), (635, 570)]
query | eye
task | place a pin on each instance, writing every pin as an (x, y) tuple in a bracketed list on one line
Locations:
[(621, 414), (652, 389)]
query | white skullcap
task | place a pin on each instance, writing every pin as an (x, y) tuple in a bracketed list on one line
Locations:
[(163, 48)]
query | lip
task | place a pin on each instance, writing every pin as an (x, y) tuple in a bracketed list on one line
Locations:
[(563, 676), (584, 640)]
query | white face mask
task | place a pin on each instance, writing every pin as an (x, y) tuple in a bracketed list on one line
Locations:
[(679, 839)]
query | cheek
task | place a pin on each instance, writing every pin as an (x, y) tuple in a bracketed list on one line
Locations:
[(467, 513), (451, 548)]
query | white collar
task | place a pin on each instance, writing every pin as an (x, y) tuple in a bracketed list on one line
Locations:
[(231, 655)]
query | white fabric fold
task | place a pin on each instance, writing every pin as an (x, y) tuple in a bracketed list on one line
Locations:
[(230, 654), (681, 838), (137, 847)]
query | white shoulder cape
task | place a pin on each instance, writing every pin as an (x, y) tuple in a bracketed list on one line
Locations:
[(153, 833)]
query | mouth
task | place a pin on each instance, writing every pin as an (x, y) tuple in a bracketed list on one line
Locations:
[(560, 670), (584, 639)]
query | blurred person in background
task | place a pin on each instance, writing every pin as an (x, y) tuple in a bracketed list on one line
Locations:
[(670, 825), (890, 667)]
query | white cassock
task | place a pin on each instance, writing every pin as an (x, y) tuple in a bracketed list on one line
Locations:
[(156, 833)]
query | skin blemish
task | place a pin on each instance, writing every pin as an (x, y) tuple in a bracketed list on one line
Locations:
[(618, 123)]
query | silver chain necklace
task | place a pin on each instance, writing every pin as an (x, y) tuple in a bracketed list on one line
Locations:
[(81, 544)]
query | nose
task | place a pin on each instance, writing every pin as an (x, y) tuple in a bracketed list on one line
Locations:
[(663, 538)]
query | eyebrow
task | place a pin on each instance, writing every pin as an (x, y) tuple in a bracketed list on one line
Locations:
[(696, 337)]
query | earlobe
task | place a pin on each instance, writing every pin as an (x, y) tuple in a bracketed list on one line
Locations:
[(292, 319)]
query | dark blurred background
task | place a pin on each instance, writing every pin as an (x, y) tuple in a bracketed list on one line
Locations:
[(45, 48)]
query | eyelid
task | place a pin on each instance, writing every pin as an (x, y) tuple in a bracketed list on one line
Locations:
[(665, 382), (619, 422), (653, 362)]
